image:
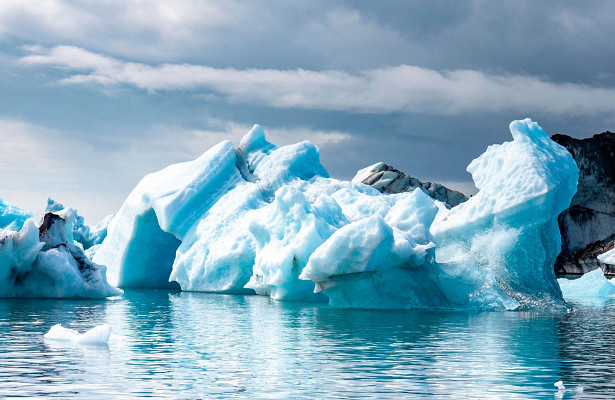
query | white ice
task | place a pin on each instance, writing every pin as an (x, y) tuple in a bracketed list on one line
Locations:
[(607, 257), (97, 335)]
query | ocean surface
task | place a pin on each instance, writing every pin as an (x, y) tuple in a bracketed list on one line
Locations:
[(176, 345)]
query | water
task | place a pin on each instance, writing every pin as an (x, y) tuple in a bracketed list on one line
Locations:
[(175, 345)]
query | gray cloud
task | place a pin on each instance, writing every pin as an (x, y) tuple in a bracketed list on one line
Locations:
[(404, 88), (424, 86)]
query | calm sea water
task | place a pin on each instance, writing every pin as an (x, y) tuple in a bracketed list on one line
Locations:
[(192, 345)]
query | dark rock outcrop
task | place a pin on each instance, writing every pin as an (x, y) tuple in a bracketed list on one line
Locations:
[(390, 180), (588, 226)]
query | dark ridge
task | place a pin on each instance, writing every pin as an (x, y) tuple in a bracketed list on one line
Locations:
[(588, 226)]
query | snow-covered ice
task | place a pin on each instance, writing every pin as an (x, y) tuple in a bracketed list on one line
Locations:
[(267, 219), (97, 335)]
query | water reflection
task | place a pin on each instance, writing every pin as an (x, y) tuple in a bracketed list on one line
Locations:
[(194, 345)]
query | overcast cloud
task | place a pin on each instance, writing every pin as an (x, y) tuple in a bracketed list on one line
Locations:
[(93, 95)]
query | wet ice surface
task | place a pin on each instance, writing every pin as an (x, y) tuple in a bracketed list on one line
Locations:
[(196, 345)]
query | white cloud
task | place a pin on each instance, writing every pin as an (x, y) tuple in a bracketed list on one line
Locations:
[(403, 88), (230, 32)]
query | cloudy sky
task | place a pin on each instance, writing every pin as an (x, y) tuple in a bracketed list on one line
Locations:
[(94, 95)]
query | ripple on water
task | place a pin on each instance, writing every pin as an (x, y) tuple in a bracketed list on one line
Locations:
[(193, 345)]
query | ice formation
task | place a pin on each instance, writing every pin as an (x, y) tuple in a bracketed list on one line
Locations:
[(87, 235), (591, 284), (12, 217), (97, 335), (45, 262), (267, 219)]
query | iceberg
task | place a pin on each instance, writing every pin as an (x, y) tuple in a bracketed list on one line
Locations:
[(86, 235), (97, 335), (43, 261), (190, 222), (13, 217), (509, 229), (591, 284), (269, 220)]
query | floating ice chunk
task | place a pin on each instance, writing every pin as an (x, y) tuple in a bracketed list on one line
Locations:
[(97, 335), (561, 390), (591, 284)]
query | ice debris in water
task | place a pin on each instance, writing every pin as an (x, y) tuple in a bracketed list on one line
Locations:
[(97, 335), (561, 390), (268, 219), (591, 284)]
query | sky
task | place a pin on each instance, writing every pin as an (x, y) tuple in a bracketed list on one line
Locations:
[(95, 95)]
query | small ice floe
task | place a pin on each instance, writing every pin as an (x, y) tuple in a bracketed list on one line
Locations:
[(592, 284), (561, 390), (97, 335)]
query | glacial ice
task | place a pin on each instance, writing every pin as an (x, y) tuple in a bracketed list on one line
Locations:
[(508, 231), (267, 219), (87, 235), (12, 217), (43, 261), (591, 284), (97, 335)]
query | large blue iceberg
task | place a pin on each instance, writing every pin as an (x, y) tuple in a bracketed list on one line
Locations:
[(268, 220)]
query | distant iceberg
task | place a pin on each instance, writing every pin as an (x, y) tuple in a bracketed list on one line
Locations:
[(86, 235), (44, 261), (268, 220)]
